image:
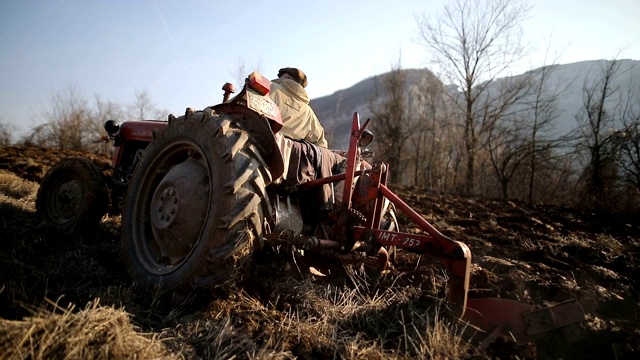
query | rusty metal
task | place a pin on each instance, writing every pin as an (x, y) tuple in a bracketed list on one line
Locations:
[(454, 254), (228, 89), (383, 259), (302, 241), (490, 313), (330, 179), (263, 105), (132, 131), (415, 242), (379, 262), (380, 175), (518, 320), (539, 321), (356, 133)]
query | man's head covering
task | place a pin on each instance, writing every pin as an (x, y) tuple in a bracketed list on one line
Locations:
[(297, 74)]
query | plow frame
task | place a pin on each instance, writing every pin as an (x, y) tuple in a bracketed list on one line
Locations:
[(455, 255), (492, 316)]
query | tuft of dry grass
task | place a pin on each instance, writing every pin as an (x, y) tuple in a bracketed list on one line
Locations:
[(437, 339), (17, 188), (309, 319), (358, 323), (96, 332)]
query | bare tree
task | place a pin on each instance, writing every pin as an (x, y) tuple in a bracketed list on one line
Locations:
[(629, 137), (629, 159), (541, 119), (430, 139), (507, 151), (103, 111), (40, 136), (243, 70), (65, 121), (142, 107), (392, 123), (6, 133), (597, 135), (71, 122), (473, 43)]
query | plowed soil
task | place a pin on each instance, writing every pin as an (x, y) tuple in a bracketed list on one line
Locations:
[(538, 255)]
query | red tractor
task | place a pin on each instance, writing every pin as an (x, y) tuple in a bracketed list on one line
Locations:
[(198, 197)]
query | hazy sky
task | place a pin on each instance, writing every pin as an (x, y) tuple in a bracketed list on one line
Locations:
[(182, 52)]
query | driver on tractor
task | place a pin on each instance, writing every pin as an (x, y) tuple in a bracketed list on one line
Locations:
[(301, 139), (299, 120)]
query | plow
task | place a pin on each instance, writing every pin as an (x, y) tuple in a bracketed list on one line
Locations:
[(200, 194)]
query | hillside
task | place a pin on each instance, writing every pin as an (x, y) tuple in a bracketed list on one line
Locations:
[(537, 255), (335, 110)]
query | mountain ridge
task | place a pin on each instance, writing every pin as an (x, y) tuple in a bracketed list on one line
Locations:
[(335, 110)]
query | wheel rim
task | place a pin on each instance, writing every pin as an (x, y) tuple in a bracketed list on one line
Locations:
[(66, 200), (171, 208)]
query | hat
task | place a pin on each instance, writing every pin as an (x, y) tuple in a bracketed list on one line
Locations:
[(297, 74)]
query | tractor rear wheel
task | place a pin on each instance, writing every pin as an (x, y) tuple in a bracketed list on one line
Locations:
[(73, 196), (196, 205)]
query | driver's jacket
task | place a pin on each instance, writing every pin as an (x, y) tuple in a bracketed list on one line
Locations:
[(299, 122)]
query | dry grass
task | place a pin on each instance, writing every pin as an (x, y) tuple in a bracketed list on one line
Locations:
[(96, 332), (17, 188), (273, 314), (292, 319), (308, 320), (276, 316)]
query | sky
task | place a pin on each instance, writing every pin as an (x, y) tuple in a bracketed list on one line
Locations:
[(182, 52)]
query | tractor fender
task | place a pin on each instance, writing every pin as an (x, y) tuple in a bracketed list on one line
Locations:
[(260, 130)]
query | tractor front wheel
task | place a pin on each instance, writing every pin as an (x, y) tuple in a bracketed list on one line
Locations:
[(73, 196)]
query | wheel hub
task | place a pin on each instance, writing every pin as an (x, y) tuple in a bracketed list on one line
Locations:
[(167, 207), (68, 200), (178, 210)]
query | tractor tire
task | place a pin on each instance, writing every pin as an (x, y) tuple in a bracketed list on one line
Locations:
[(72, 197), (196, 205)]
